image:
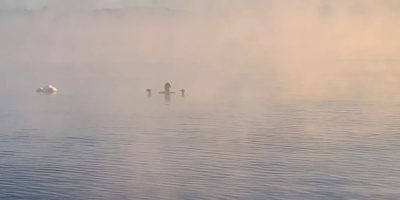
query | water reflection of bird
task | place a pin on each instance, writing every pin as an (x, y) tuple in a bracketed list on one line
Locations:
[(148, 92)]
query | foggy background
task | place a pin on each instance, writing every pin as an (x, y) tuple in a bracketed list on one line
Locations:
[(216, 49)]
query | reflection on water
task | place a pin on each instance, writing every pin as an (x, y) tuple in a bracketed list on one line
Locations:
[(228, 150), (167, 97)]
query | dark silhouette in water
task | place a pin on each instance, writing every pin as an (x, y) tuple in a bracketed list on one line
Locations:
[(182, 92), (167, 93), (148, 92), (167, 86)]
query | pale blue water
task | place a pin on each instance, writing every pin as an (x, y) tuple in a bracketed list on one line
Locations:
[(73, 147)]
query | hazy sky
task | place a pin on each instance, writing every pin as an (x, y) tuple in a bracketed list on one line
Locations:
[(326, 7), (10, 4), (37, 4)]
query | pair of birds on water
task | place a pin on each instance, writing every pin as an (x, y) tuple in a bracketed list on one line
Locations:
[(166, 91)]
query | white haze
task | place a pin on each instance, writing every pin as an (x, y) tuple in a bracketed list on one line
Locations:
[(246, 50)]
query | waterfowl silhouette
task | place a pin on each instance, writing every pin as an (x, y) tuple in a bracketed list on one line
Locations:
[(167, 93), (182, 92), (148, 92), (167, 86)]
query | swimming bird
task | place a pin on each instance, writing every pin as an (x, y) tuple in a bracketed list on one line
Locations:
[(182, 92), (167, 93), (48, 89), (148, 92), (167, 86)]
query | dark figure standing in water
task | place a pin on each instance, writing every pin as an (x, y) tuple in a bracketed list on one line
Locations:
[(182, 92), (148, 92)]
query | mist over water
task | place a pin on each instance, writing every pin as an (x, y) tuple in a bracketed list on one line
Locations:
[(312, 48), (284, 99)]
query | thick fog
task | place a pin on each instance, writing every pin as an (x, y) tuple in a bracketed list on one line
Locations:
[(215, 49)]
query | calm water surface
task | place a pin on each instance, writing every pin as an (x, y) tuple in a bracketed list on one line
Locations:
[(52, 147)]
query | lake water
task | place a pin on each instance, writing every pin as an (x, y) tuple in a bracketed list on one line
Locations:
[(286, 100), (72, 146)]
